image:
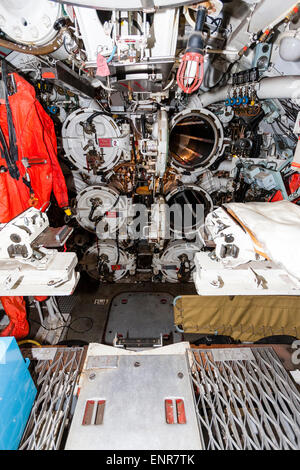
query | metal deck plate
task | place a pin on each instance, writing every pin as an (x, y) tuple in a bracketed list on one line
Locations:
[(55, 372), (141, 315), (245, 399), (132, 399)]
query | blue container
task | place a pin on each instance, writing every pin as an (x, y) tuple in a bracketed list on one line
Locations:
[(17, 394)]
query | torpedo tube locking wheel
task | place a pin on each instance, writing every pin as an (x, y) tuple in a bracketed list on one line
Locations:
[(101, 210), (173, 256), (89, 138), (105, 261)]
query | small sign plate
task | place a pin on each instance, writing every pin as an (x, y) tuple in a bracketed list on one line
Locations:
[(232, 354), (102, 362)]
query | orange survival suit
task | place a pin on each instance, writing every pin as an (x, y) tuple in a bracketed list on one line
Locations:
[(29, 170)]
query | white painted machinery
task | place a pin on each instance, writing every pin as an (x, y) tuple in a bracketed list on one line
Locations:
[(27, 267), (107, 261), (177, 125), (93, 142), (176, 263), (249, 256), (101, 210), (176, 106)]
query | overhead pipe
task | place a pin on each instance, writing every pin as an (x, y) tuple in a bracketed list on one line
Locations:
[(286, 87)]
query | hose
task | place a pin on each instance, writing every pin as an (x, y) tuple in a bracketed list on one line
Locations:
[(36, 50), (112, 54), (97, 113), (170, 83), (105, 87), (31, 341)]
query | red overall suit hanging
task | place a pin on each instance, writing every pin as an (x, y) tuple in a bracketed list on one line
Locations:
[(29, 170)]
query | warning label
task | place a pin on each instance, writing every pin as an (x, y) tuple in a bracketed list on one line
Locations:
[(105, 142)]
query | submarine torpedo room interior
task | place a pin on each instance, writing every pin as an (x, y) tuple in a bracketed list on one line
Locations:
[(149, 224)]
